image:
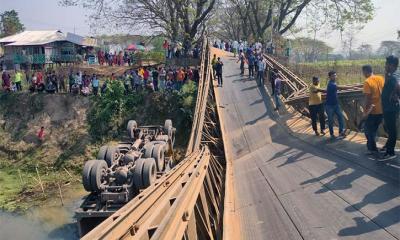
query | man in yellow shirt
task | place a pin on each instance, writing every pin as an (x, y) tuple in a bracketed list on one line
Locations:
[(372, 89), (316, 107), (18, 80)]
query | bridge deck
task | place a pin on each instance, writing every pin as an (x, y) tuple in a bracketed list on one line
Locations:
[(286, 188)]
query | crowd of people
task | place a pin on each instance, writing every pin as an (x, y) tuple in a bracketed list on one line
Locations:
[(382, 99), (381, 103), (177, 50), (150, 78), (270, 47)]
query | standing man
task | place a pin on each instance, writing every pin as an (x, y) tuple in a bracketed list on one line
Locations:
[(146, 76), (180, 77), (277, 90), (155, 79), (242, 59), (316, 107), (390, 105), (218, 70), (251, 61), (95, 84), (332, 105), (372, 89), (18, 80), (6, 81), (262, 64), (71, 80)]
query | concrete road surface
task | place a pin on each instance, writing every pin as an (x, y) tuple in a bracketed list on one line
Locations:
[(285, 188)]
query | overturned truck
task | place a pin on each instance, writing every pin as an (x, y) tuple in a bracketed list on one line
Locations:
[(122, 170)]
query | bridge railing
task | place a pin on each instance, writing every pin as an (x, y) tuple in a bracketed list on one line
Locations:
[(187, 202), (296, 94)]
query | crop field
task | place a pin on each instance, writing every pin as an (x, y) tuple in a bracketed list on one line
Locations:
[(348, 71)]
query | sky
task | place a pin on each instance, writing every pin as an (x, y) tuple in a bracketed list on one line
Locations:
[(49, 15)]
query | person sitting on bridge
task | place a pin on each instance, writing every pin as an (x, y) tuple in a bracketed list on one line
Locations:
[(316, 107), (390, 105), (332, 106), (372, 89)]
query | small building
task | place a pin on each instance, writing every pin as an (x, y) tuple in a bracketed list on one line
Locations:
[(35, 49)]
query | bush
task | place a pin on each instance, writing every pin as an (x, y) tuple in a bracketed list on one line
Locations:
[(110, 112)]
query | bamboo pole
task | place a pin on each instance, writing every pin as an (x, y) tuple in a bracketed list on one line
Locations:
[(20, 178), (61, 197), (40, 180)]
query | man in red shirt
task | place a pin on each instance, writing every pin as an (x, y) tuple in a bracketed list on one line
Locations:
[(180, 77), (165, 46), (146, 75), (41, 134)]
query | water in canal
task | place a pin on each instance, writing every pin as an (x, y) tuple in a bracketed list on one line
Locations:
[(49, 221)]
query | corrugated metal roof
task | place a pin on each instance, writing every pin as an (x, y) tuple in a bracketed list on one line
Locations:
[(34, 37), (29, 38)]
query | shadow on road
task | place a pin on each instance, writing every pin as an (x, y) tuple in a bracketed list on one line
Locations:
[(348, 168)]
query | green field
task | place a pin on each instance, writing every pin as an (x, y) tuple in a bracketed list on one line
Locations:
[(348, 71)]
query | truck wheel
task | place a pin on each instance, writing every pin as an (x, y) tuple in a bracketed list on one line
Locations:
[(137, 173), (167, 124), (159, 156), (111, 155), (86, 175), (148, 149), (149, 172), (131, 127), (102, 153), (97, 174)]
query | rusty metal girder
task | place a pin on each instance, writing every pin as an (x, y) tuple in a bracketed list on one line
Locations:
[(187, 202)]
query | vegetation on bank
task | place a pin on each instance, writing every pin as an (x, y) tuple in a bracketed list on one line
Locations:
[(75, 127)]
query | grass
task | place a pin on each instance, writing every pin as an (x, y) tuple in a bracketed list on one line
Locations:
[(10, 189), (348, 71), (344, 63)]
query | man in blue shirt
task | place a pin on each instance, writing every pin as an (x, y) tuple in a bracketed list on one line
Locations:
[(332, 107), (95, 84), (390, 105), (251, 60)]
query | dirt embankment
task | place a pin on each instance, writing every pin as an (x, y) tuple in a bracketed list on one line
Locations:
[(31, 169)]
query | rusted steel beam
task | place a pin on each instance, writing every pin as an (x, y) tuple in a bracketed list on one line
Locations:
[(186, 202)]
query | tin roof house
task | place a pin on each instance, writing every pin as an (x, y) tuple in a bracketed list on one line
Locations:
[(37, 48)]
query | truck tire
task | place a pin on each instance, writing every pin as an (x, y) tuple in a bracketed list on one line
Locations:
[(97, 174), (102, 153), (131, 127), (86, 175), (148, 149), (159, 156), (111, 155), (149, 172), (137, 173)]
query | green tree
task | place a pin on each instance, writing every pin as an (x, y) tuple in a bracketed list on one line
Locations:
[(10, 23), (262, 17), (310, 50)]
